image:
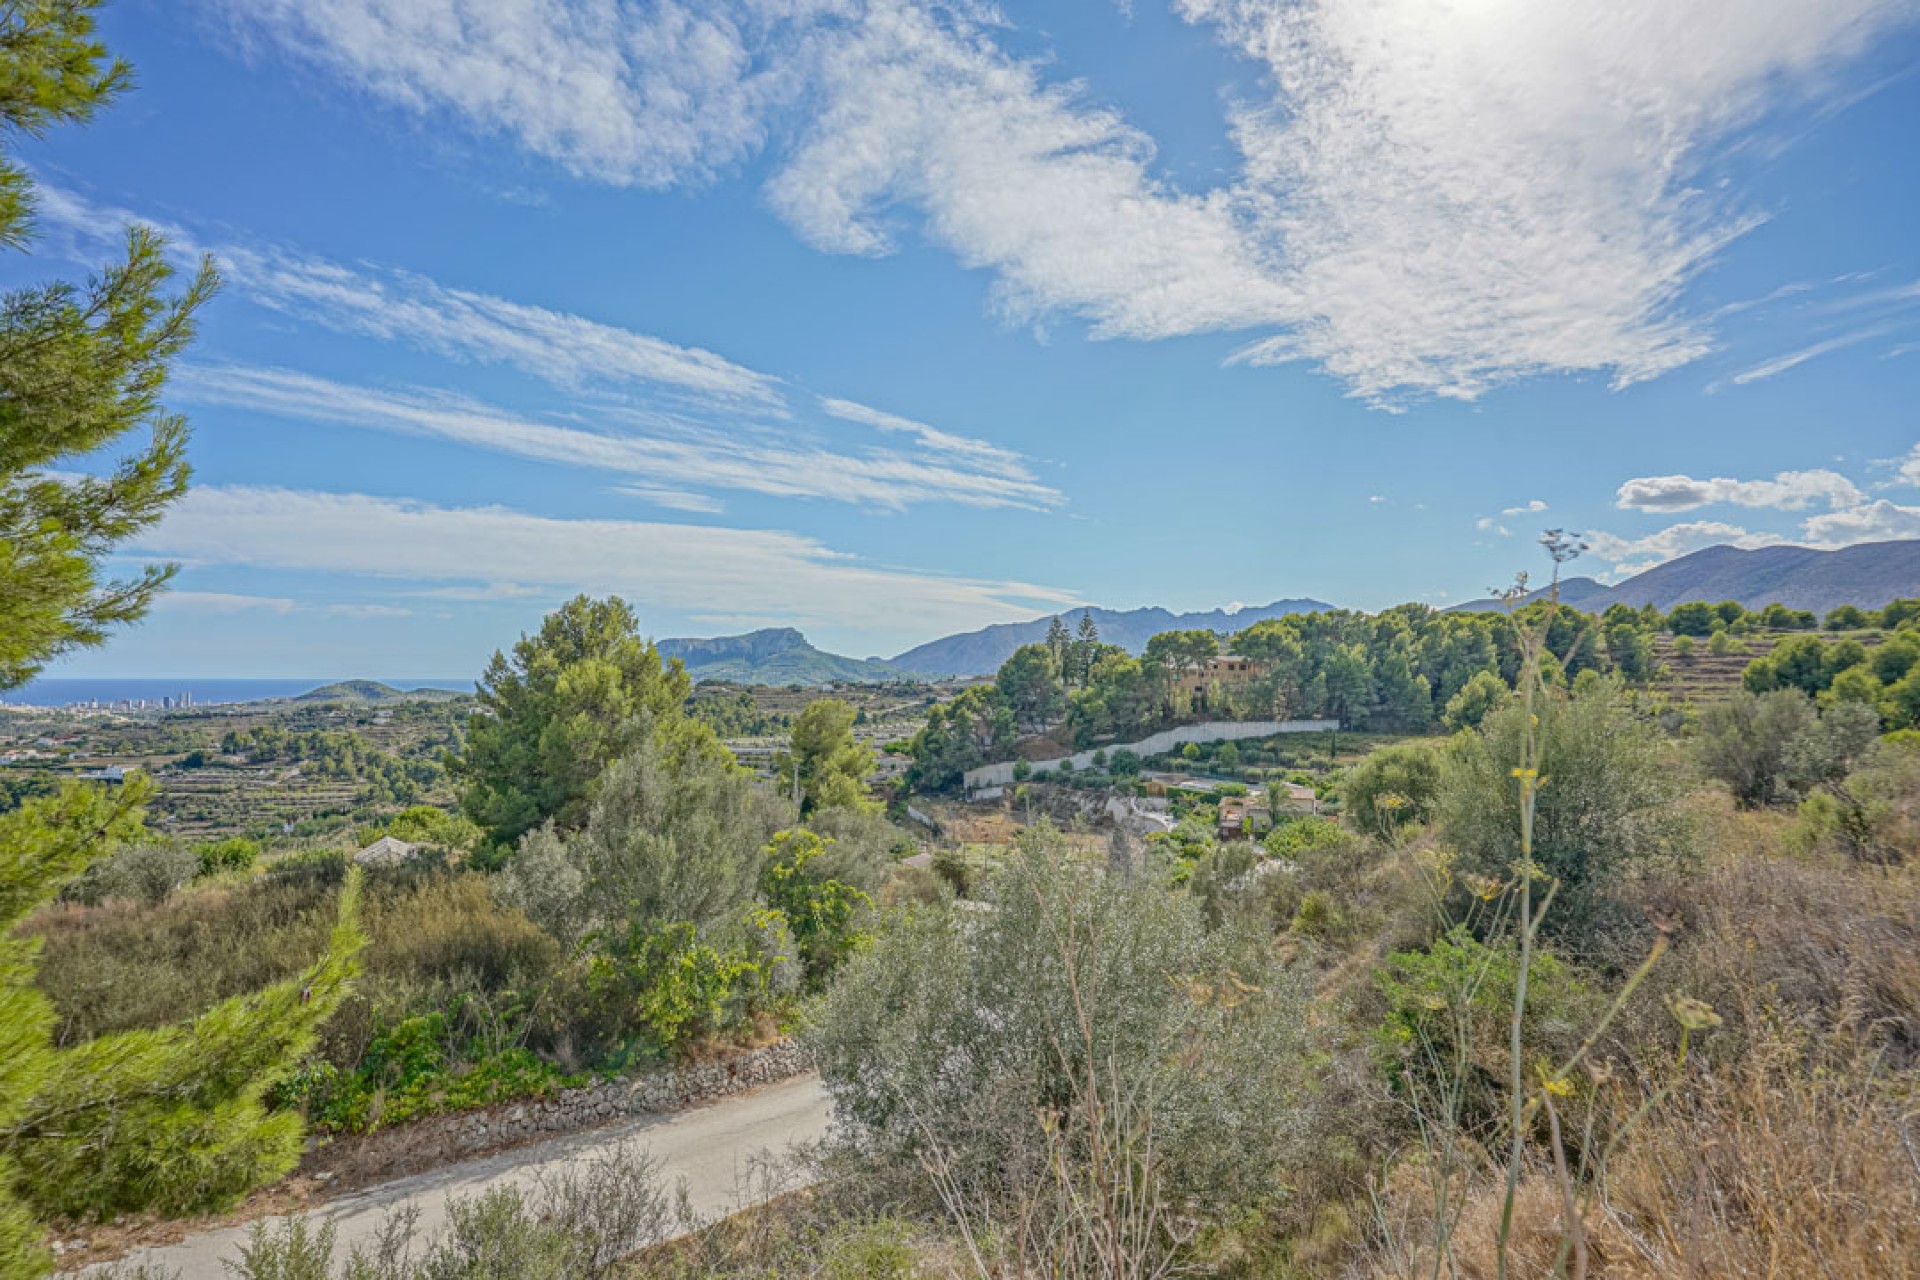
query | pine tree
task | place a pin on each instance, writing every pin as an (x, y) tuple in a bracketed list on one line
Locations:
[(1089, 631), (563, 705), (172, 1119), (1086, 646), (1058, 643), (80, 367)]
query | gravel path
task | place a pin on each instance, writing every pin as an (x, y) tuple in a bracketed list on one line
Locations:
[(710, 1147)]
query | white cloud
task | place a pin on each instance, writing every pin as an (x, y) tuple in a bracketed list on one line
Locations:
[(1849, 520), (683, 567), (1525, 509), (912, 108), (566, 350), (1793, 359), (490, 592), (674, 499), (1438, 197), (221, 602), (1466, 193), (1487, 524), (1879, 521), (1788, 491), (979, 452), (1635, 555), (368, 610), (696, 457), (643, 95)]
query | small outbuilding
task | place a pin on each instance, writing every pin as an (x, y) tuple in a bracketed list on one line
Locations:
[(385, 852)]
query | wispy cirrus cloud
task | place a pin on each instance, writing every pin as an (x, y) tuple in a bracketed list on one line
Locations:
[(978, 452), (1432, 198), (693, 458), (691, 568), (1794, 359), (568, 351), (225, 602), (692, 437)]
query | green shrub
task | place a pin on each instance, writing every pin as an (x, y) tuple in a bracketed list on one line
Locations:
[(673, 989), (1444, 1040), (1392, 788), (149, 873), (230, 856), (1608, 808), (409, 1071), (1476, 700), (827, 918)]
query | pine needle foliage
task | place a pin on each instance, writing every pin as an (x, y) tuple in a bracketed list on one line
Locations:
[(80, 367), (171, 1120)]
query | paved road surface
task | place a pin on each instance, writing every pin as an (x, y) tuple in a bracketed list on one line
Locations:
[(710, 1147)]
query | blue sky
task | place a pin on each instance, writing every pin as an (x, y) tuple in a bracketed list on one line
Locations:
[(886, 318)]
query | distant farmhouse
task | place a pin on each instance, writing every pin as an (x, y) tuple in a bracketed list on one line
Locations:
[(1228, 671), (1244, 817)]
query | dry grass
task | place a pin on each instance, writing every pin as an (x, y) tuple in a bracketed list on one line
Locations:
[(1814, 949), (1770, 1171)]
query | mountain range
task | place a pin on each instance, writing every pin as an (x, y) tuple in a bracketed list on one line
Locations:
[(775, 656), (980, 653), (1867, 575)]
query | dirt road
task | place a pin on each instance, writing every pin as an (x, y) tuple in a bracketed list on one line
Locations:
[(710, 1148)]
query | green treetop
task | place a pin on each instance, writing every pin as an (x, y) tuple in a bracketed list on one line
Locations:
[(555, 713), (826, 766), (80, 367)]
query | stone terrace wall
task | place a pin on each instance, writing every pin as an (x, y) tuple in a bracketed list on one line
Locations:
[(999, 775), (442, 1139)]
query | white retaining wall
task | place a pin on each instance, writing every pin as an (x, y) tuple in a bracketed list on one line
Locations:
[(999, 775)]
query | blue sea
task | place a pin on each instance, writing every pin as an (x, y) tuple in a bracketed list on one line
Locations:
[(204, 692)]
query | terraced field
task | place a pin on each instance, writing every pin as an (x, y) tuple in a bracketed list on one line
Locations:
[(203, 792), (1701, 676)]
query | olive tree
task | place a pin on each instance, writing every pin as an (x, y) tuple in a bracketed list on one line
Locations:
[(972, 1040), (1608, 802)]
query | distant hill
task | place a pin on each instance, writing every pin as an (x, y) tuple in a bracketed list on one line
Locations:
[(1868, 575), (373, 691), (1585, 594), (980, 653), (775, 656)]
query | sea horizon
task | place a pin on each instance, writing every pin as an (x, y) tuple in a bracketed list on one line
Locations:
[(68, 691)]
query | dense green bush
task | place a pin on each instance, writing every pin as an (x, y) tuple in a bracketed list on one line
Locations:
[(225, 857), (826, 917), (411, 1070), (1444, 1039), (1608, 807), (1392, 788), (150, 872)]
